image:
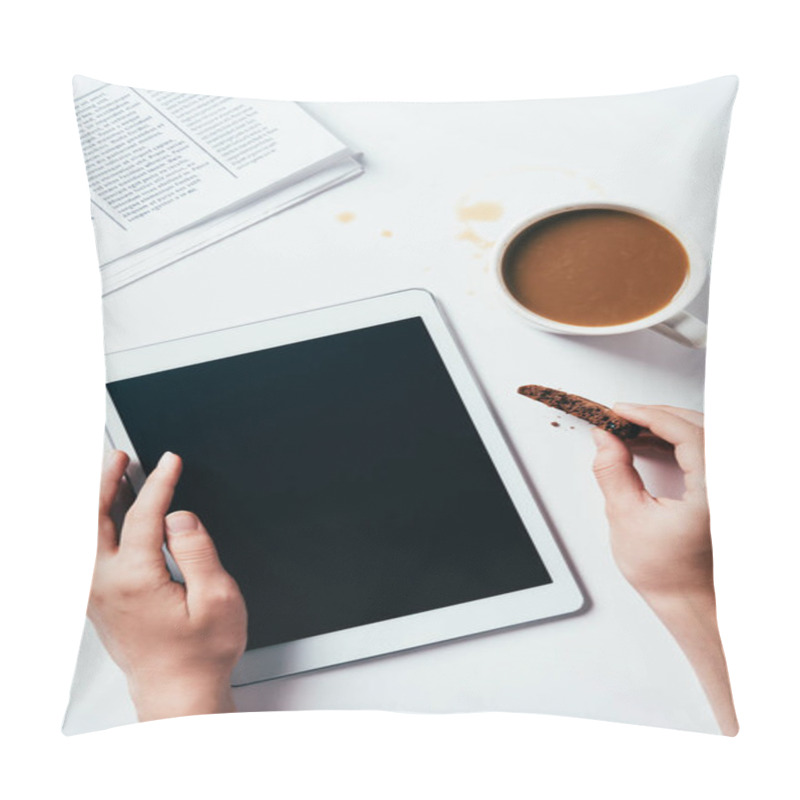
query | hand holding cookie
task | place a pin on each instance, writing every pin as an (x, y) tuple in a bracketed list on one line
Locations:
[(663, 546), (660, 544)]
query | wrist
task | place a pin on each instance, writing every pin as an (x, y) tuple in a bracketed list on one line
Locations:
[(701, 599), (686, 611), (691, 617), (688, 615), (160, 697)]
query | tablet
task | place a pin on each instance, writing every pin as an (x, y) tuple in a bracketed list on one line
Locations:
[(352, 476)]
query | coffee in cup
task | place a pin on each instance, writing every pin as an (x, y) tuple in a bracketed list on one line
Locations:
[(600, 269)]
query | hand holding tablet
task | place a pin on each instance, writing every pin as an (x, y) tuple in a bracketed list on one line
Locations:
[(354, 480), (176, 643), (363, 498)]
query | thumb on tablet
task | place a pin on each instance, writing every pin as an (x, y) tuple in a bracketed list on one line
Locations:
[(192, 547)]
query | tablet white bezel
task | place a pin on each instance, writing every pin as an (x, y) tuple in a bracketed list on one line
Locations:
[(560, 597)]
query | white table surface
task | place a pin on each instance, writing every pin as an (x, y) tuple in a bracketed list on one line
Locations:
[(424, 165)]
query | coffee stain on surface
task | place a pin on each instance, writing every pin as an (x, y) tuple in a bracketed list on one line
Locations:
[(481, 220), (346, 216), (387, 234), (469, 235), (469, 212), (595, 187), (480, 212)]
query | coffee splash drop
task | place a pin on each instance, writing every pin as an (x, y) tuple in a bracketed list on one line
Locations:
[(480, 212)]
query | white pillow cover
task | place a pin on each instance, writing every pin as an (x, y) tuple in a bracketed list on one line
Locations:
[(441, 183)]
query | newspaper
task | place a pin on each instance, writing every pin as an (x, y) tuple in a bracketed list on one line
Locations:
[(172, 173)]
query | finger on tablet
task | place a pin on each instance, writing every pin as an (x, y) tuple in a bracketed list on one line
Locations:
[(144, 522), (114, 465), (684, 435)]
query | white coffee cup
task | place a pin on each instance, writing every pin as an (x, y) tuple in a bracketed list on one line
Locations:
[(671, 321)]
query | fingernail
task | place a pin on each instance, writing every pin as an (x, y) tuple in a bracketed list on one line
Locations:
[(598, 437), (627, 406), (181, 522), (166, 459)]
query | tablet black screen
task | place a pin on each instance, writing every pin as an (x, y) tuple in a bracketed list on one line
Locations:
[(341, 478)]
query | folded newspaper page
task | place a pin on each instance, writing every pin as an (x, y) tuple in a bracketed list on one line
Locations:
[(172, 173)]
